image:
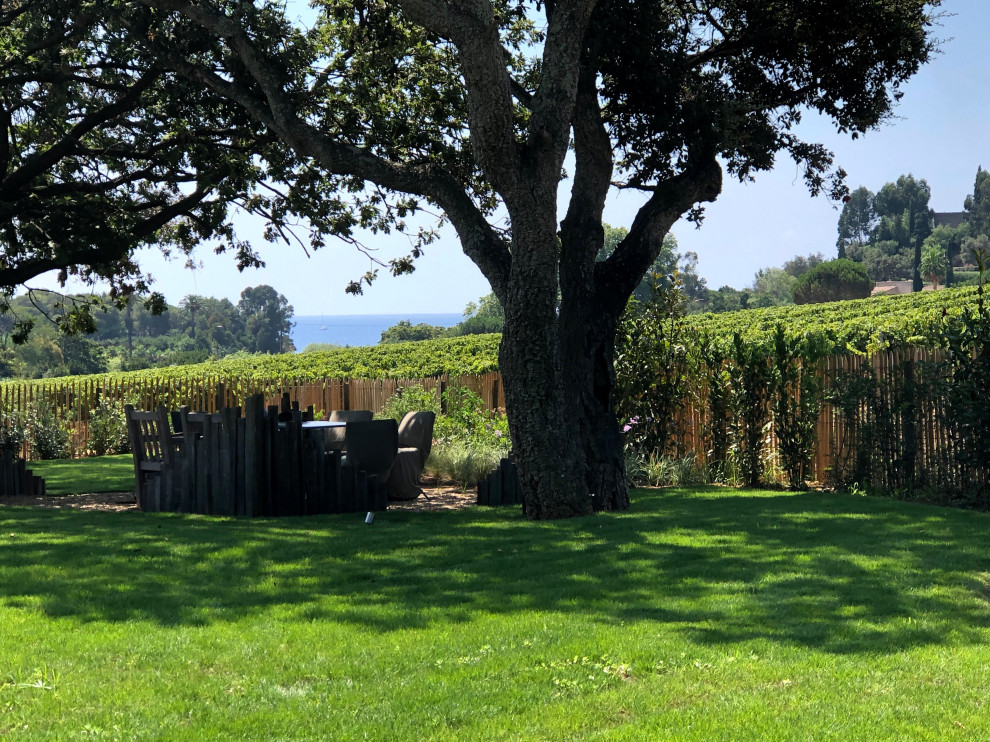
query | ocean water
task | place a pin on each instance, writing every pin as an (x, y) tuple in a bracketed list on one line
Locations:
[(357, 329)]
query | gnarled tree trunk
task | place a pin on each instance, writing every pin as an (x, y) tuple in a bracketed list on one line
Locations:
[(588, 350), (545, 434)]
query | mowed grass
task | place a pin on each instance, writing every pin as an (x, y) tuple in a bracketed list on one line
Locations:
[(80, 476), (705, 614)]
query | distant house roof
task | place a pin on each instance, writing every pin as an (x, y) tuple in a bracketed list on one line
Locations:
[(893, 288), (890, 288), (949, 218)]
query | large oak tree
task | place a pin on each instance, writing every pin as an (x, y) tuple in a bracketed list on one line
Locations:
[(471, 108)]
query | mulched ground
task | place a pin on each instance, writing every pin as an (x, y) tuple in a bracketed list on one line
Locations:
[(440, 497)]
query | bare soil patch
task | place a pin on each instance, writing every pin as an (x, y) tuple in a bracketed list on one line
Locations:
[(111, 501), (438, 497)]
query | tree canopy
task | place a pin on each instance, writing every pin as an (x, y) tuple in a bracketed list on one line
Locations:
[(977, 204), (468, 109), (889, 232), (132, 337), (857, 220), (834, 280), (267, 319), (885, 231), (104, 148)]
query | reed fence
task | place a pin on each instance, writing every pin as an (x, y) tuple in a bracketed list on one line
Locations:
[(897, 434), (885, 424), (75, 399)]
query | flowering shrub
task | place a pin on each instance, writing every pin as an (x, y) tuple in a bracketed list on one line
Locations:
[(466, 419)]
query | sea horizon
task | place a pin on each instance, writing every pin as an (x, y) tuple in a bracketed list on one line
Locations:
[(355, 330)]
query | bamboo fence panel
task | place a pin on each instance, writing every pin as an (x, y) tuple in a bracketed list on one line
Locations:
[(75, 399), (914, 427)]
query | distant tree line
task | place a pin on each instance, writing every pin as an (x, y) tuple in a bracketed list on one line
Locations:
[(480, 318), (890, 235), (137, 335), (896, 236)]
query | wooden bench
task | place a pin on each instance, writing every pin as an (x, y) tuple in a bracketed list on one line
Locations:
[(153, 448)]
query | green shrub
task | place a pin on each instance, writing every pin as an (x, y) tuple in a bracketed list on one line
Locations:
[(652, 365), (969, 399), (468, 440), (751, 384), (466, 419), (13, 433), (965, 278), (411, 398), (47, 433), (797, 401), (108, 429), (834, 280)]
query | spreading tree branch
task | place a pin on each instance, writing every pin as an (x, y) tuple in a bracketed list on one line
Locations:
[(617, 276)]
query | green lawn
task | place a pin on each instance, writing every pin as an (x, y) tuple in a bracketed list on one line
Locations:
[(704, 614), (79, 476)]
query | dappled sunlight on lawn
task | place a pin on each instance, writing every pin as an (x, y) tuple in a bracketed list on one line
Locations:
[(837, 573)]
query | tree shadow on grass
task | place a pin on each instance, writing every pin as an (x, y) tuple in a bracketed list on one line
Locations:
[(836, 573)]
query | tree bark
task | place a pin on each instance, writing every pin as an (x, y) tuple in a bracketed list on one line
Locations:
[(588, 350), (546, 438), (546, 435)]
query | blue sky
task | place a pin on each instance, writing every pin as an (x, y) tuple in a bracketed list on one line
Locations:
[(940, 134)]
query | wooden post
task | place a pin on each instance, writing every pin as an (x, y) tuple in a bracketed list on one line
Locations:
[(254, 470), (313, 472), (510, 482), (225, 485), (272, 483), (240, 472), (186, 472), (331, 497), (495, 487), (204, 455), (295, 499)]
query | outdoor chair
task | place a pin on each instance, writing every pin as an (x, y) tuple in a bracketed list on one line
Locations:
[(152, 445), (334, 438), (415, 443), (371, 447)]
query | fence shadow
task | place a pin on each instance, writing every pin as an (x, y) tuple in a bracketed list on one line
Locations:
[(834, 573)]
